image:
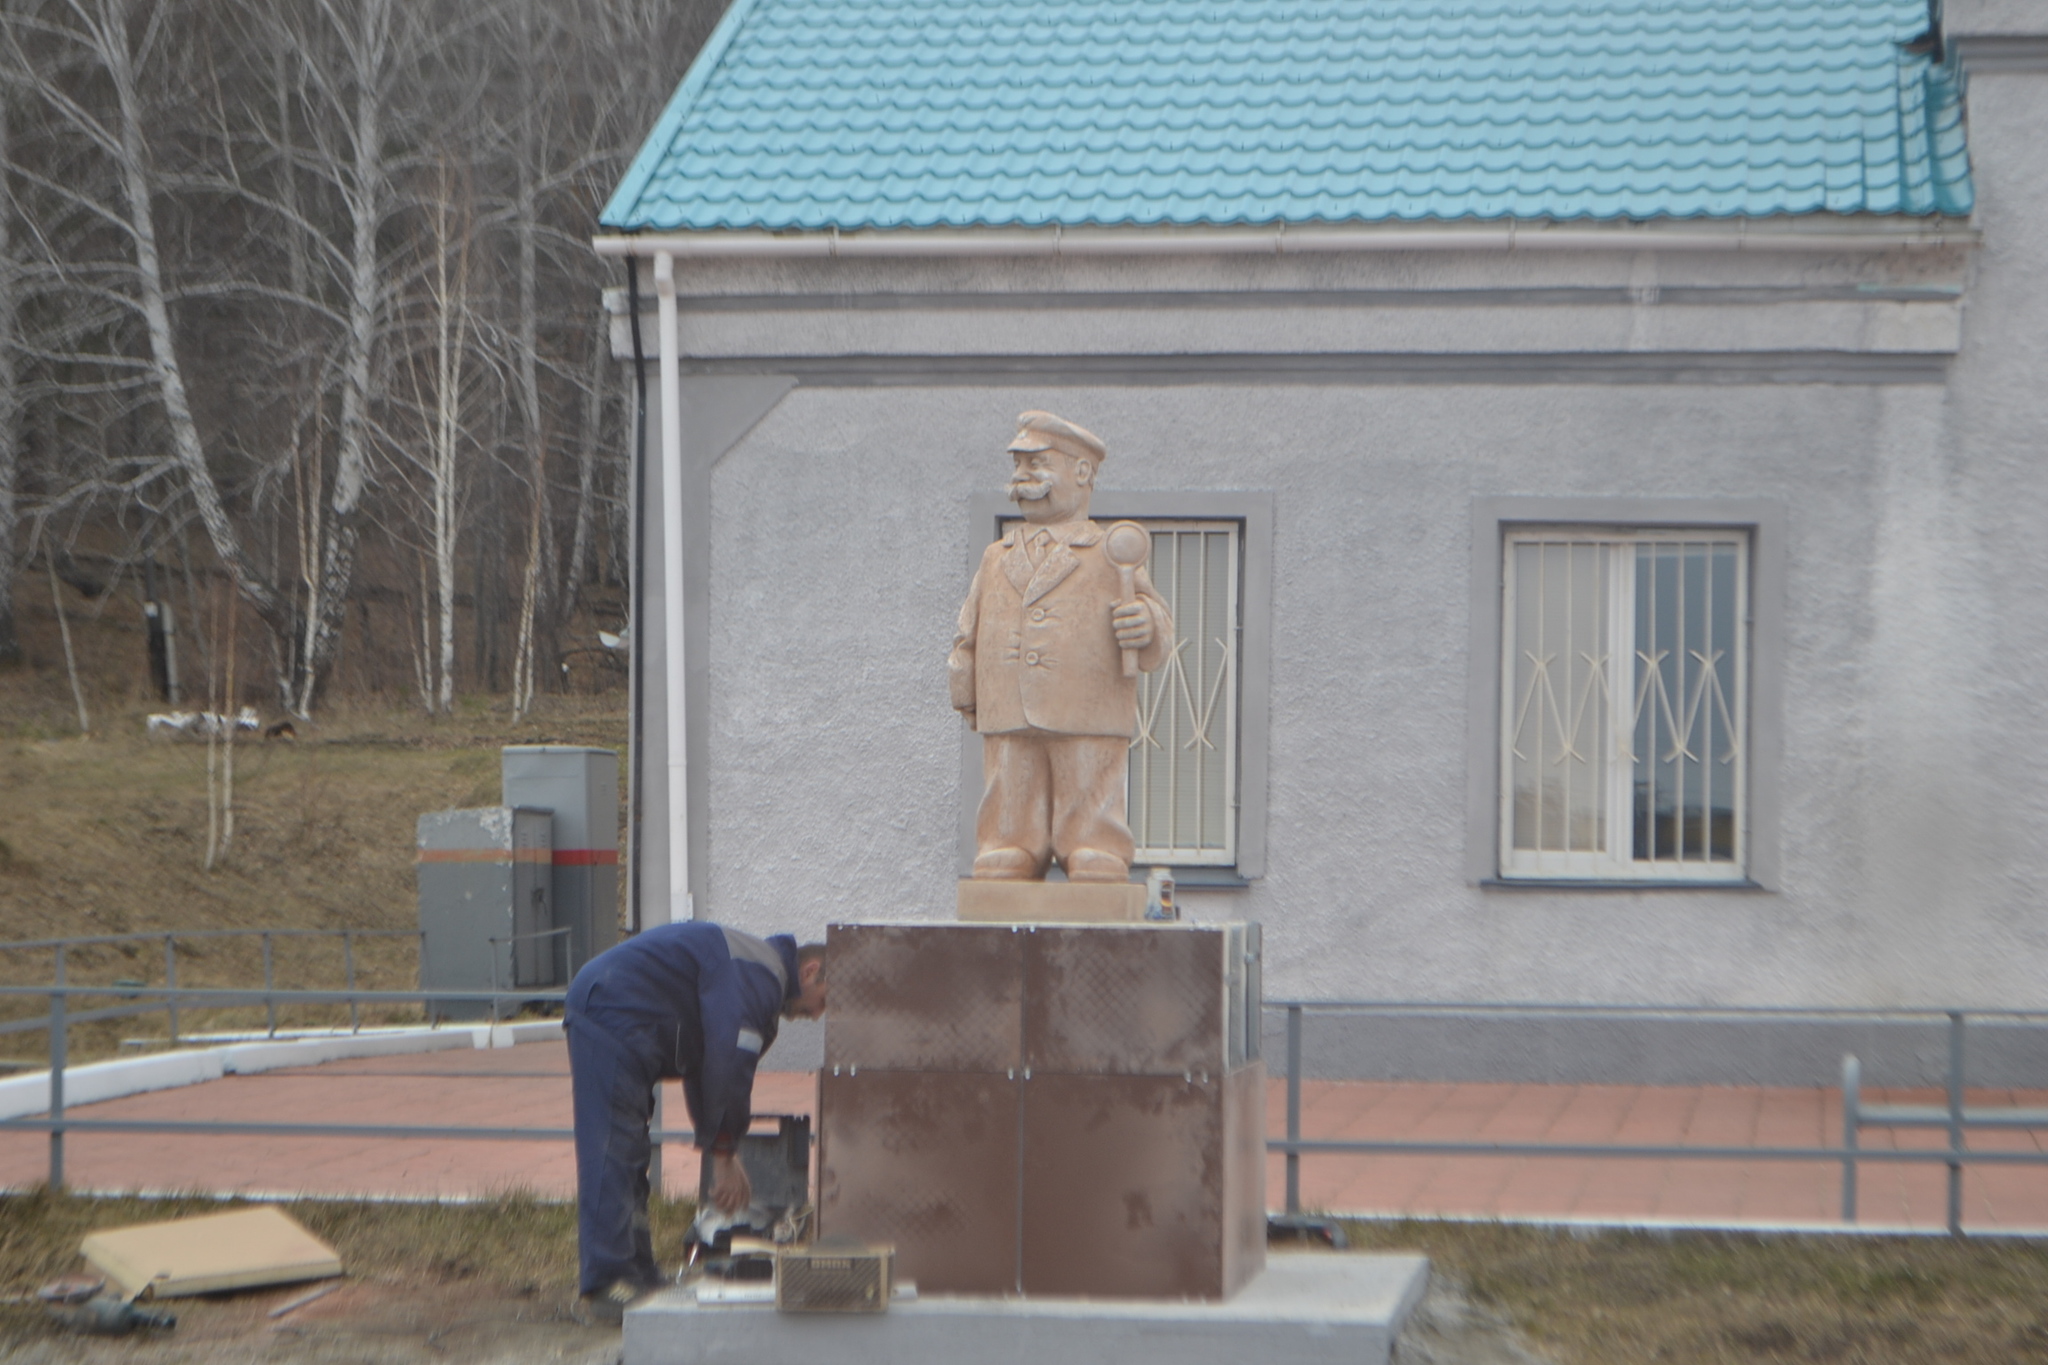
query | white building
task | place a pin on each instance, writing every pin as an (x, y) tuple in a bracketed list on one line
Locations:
[(1605, 441)]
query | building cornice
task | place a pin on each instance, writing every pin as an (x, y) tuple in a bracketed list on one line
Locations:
[(1819, 233), (1988, 53)]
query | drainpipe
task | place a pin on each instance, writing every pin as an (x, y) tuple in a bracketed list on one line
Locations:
[(680, 906), (636, 685)]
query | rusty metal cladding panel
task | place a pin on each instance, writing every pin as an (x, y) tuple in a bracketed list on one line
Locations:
[(1142, 1001), (926, 997), (1244, 1176), (1124, 1187), (926, 1161)]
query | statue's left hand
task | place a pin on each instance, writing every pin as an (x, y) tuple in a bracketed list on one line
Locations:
[(1132, 622)]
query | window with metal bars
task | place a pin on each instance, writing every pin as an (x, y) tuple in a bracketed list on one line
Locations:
[(1183, 772), (1624, 696)]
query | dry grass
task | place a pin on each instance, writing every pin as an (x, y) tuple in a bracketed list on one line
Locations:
[(1606, 1298), (1620, 1298), (506, 1252), (106, 834), (514, 1244)]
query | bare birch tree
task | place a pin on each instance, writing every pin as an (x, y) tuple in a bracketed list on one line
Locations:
[(351, 58), (441, 384), (112, 40), (254, 311), (10, 401)]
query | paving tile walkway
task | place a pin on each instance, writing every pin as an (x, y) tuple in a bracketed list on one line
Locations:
[(528, 1086)]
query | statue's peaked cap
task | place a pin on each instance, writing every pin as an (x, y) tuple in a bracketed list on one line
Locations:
[(1043, 431)]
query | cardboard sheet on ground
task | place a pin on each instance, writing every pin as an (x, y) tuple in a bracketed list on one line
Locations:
[(216, 1251)]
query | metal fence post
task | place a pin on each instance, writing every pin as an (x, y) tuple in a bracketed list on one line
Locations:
[(491, 947), (655, 1177), (1293, 1108), (1852, 1105), (269, 981), (348, 957), (1955, 1123), (59, 1044), (171, 980)]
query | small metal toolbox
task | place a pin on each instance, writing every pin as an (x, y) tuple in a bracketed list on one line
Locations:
[(834, 1279)]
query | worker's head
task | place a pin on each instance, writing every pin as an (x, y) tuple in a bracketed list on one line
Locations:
[(807, 1001)]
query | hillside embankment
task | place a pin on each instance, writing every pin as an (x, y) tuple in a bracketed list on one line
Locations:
[(107, 831)]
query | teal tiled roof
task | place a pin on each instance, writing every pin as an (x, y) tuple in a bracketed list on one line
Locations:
[(811, 114)]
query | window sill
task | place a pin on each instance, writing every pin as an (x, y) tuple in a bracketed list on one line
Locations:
[(1208, 879), (1564, 884)]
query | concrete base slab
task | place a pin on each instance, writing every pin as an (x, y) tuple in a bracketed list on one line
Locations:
[(1305, 1309)]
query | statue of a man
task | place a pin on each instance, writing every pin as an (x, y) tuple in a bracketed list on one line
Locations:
[(1037, 668)]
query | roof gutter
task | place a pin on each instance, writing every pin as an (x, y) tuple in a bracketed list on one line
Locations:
[(1917, 234)]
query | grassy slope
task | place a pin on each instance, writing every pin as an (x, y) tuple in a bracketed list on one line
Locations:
[(106, 833)]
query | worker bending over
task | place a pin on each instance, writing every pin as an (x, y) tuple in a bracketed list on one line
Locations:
[(693, 1000)]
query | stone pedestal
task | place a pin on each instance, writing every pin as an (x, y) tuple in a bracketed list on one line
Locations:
[(1047, 1110), (990, 902)]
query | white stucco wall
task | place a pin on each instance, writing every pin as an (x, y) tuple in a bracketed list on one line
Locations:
[(835, 776), (1913, 781)]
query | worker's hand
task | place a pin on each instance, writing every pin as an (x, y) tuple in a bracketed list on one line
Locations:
[(731, 1191), (1132, 622)]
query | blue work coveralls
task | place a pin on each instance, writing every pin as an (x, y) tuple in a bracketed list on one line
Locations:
[(693, 1000)]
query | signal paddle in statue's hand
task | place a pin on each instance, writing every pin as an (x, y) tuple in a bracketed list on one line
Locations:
[(1128, 545)]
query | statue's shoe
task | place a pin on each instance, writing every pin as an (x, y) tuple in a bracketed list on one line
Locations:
[(1005, 865), (1093, 865)]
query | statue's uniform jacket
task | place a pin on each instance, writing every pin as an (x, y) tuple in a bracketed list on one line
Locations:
[(1035, 649), (693, 1000)]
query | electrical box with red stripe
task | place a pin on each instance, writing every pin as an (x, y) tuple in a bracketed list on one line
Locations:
[(487, 914)]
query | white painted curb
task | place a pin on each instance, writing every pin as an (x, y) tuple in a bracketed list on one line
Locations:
[(246, 1059), (21, 1096), (30, 1094), (511, 1035)]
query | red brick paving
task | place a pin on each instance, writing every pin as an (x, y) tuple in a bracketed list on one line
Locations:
[(528, 1086)]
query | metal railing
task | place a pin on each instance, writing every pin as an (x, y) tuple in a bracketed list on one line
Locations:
[(1954, 1117), (57, 1123), (60, 948), (179, 1002)]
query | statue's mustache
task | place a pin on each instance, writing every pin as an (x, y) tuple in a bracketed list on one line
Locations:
[(1032, 490)]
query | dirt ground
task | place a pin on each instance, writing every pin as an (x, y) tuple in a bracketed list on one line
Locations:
[(386, 1323), (492, 1281), (366, 1322), (487, 1283), (475, 1282)]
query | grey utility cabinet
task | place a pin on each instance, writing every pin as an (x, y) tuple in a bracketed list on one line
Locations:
[(487, 913), (581, 786)]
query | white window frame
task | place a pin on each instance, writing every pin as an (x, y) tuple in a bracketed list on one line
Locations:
[(1534, 710), (1250, 514), (1495, 523), (1157, 691)]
